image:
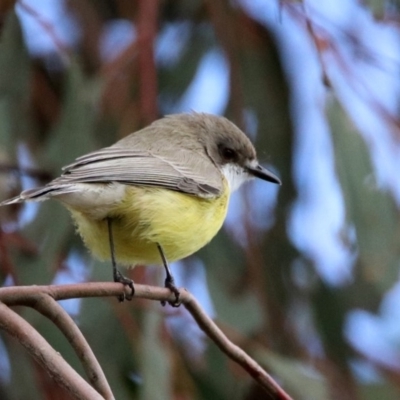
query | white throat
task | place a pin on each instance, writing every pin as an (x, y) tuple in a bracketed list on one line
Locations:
[(235, 175)]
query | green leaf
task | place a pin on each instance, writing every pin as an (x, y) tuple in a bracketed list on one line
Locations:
[(302, 381), (371, 211), (155, 365), (377, 7)]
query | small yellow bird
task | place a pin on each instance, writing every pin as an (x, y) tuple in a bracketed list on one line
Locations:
[(159, 194)]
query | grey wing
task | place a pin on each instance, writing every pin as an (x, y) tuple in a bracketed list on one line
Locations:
[(183, 170)]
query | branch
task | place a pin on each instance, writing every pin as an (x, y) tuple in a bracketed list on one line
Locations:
[(48, 307), (49, 28), (22, 295), (45, 355)]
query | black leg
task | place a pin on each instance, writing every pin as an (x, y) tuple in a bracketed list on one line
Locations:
[(118, 277), (169, 279)]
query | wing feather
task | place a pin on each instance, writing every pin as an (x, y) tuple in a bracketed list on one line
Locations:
[(191, 172)]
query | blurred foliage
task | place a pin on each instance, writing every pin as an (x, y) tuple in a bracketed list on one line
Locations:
[(377, 7), (74, 102), (373, 212)]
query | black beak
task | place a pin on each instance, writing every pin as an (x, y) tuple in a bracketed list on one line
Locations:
[(262, 173)]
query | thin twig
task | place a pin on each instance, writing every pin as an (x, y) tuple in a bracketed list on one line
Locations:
[(22, 295), (49, 28), (46, 356), (232, 351)]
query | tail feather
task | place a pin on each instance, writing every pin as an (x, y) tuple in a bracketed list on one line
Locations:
[(13, 200), (38, 194)]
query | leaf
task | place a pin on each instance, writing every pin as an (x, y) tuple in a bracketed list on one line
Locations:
[(15, 70), (113, 346), (154, 361), (379, 391), (294, 376), (377, 7), (371, 211), (74, 134)]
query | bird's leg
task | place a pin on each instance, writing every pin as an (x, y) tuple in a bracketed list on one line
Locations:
[(118, 277), (169, 280)]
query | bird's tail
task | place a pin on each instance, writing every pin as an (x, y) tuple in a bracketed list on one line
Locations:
[(39, 194)]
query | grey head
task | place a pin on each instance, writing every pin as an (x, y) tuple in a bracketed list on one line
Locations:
[(227, 146)]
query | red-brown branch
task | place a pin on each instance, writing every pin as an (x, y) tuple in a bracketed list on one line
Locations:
[(47, 306), (23, 295), (40, 349)]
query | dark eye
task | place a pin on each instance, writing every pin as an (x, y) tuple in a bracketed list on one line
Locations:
[(228, 154)]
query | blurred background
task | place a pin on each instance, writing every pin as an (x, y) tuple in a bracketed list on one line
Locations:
[(304, 277)]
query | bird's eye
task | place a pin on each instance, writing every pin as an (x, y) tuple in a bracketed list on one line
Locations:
[(228, 154)]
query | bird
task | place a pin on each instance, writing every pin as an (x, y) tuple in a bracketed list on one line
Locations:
[(157, 195)]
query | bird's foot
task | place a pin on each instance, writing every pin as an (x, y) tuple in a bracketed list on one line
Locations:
[(118, 277), (170, 284)]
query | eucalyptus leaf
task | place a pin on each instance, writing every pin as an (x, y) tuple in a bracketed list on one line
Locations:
[(371, 211)]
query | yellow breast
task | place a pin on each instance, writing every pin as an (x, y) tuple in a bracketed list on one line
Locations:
[(180, 223)]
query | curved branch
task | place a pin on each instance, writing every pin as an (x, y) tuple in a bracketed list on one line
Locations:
[(233, 351), (46, 356), (22, 295), (48, 307)]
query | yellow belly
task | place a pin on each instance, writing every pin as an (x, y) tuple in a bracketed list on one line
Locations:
[(180, 223)]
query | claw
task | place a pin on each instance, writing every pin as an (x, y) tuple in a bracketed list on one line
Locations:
[(170, 284), (118, 277)]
